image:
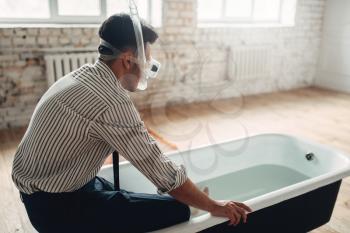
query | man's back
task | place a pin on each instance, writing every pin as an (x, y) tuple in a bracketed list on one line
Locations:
[(57, 152)]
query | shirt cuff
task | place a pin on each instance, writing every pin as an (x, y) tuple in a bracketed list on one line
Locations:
[(180, 178)]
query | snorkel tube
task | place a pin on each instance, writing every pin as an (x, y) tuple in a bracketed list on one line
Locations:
[(150, 68), (141, 57)]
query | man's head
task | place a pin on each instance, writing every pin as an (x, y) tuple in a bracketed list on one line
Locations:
[(118, 30)]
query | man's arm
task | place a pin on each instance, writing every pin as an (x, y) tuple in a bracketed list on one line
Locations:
[(123, 129), (189, 194)]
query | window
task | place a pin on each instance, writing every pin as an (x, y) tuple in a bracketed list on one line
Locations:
[(246, 12), (74, 11), (150, 10), (75, 8)]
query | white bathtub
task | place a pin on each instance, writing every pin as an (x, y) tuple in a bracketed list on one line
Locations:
[(260, 171)]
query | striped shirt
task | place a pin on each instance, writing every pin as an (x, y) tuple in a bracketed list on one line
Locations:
[(78, 122)]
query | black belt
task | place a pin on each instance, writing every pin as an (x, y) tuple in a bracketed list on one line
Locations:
[(116, 170)]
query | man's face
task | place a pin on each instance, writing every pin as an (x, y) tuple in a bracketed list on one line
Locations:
[(133, 74)]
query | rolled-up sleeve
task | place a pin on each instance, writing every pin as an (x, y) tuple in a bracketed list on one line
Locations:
[(123, 129)]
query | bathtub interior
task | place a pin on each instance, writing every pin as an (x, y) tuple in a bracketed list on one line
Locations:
[(224, 158), (219, 159), (242, 169), (251, 182)]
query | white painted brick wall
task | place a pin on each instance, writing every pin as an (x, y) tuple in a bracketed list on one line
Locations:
[(193, 59)]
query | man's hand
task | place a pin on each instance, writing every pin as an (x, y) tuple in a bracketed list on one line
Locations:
[(189, 194), (235, 211)]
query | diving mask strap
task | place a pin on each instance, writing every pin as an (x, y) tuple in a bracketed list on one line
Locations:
[(107, 57)]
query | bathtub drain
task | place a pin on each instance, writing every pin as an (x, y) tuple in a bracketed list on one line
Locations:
[(310, 156)]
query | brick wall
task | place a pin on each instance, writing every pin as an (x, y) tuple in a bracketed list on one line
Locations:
[(194, 60)]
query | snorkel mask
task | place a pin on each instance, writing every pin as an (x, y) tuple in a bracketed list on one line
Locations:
[(149, 69)]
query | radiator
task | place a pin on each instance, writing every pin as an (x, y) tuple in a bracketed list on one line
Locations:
[(58, 65), (249, 63)]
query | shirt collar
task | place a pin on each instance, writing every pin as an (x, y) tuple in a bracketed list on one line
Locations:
[(106, 72)]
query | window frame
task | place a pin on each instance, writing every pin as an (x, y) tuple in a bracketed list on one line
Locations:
[(55, 18), (226, 20)]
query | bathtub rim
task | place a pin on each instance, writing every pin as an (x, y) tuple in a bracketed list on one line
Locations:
[(206, 220)]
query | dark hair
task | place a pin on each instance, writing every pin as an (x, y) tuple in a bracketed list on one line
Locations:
[(118, 30)]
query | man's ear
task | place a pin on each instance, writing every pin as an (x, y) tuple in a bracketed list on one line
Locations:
[(126, 61)]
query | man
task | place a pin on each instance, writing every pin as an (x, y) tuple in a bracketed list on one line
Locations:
[(77, 123)]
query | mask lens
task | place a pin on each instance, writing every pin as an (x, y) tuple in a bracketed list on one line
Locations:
[(153, 68)]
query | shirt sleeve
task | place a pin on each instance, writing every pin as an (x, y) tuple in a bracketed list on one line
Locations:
[(123, 129)]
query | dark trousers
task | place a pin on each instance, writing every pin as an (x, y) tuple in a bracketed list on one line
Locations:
[(98, 208)]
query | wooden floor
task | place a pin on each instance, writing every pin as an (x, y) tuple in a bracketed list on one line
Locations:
[(319, 115)]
